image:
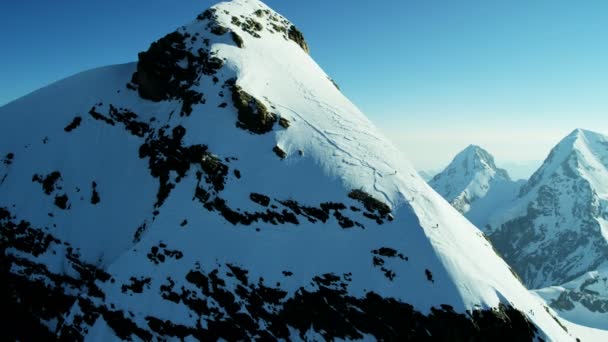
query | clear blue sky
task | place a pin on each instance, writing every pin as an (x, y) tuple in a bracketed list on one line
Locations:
[(512, 76)]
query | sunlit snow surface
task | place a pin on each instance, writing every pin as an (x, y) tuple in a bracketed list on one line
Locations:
[(332, 148), (475, 186)]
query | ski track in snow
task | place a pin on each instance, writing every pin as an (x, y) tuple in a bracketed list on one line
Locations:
[(337, 146)]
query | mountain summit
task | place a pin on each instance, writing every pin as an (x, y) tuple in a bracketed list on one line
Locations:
[(222, 187), (557, 228), (474, 185)]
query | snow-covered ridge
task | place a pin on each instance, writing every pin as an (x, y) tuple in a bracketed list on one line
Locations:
[(223, 187)]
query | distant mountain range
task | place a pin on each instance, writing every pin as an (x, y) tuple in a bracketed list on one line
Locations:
[(557, 228), (553, 228)]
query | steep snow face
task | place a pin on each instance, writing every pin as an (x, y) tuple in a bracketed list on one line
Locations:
[(474, 185), (583, 301), (223, 187), (555, 231)]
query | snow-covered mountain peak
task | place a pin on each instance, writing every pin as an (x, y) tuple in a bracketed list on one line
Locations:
[(471, 176), (557, 228), (222, 187), (254, 18), (582, 153), (267, 57), (474, 159)]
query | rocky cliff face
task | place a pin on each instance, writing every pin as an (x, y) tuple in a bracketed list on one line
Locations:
[(556, 230)]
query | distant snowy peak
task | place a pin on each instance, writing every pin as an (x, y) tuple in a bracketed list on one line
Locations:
[(468, 178), (582, 153), (557, 228)]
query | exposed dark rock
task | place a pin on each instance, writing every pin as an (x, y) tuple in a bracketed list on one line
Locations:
[(260, 199), (74, 124), (429, 275), (378, 260), (279, 152), (385, 251), (556, 260), (239, 273), (236, 217), (160, 77), (208, 14), (284, 122), (372, 205), (8, 160), (100, 117), (389, 252), (61, 201), (389, 274), (159, 254), (218, 30), (568, 299), (167, 154), (128, 118), (237, 40), (123, 327), (136, 285), (334, 83), (330, 311), (236, 21), (35, 294), (297, 36), (94, 195), (327, 308), (252, 27), (140, 230), (252, 114), (48, 182)]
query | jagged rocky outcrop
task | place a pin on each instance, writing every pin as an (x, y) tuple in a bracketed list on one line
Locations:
[(176, 207)]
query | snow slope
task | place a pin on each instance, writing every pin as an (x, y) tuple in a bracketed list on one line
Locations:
[(426, 175), (223, 187), (474, 185), (555, 230), (583, 301)]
